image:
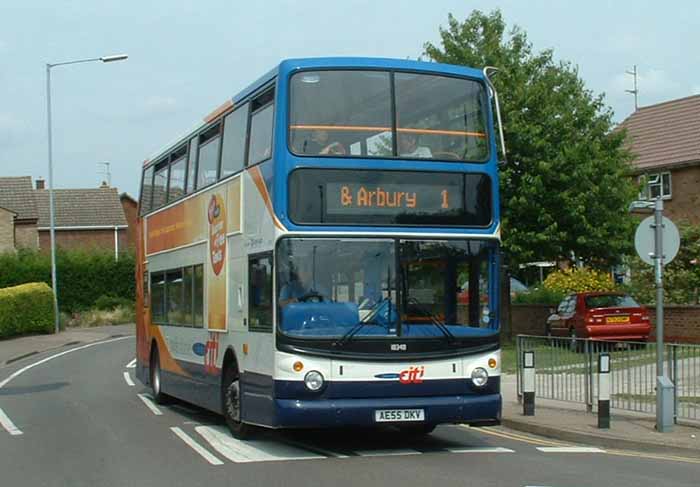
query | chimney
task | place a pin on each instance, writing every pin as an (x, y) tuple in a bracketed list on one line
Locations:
[(40, 183), (104, 185)]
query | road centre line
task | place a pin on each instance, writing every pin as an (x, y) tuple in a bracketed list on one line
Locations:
[(476, 449), (203, 452), (569, 449), (131, 365), (128, 380), (387, 453), (43, 361), (150, 404), (7, 423)]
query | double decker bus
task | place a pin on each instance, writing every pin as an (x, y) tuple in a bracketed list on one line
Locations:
[(323, 251)]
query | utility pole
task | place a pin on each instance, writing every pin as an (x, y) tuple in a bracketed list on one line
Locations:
[(635, 91)]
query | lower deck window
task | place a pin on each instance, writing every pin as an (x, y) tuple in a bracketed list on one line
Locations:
[(177, 296)]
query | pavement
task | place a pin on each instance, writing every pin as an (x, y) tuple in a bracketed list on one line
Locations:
[(570, 422), (14, 349)]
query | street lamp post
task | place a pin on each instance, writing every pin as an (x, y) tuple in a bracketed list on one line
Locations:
[(104, 59)]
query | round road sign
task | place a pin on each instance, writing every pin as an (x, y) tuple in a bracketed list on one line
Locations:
[(644, 240)]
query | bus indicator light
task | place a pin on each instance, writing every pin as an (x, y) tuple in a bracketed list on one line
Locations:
[(298, 366)]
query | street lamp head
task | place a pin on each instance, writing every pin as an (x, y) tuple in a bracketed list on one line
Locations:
[(640, 206), (116, 57)]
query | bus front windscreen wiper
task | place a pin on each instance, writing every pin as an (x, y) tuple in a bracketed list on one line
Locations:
[(367, 320), (433, 319)]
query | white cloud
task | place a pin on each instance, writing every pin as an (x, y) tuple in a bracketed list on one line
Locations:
[(695, 90)]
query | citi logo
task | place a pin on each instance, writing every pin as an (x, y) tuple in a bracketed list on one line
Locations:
[(414, 375)]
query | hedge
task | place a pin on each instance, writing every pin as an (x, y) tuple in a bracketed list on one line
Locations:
[(27, 308), (83, 276)]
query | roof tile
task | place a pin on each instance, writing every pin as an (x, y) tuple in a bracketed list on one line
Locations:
[(17, 194), (82, 207)]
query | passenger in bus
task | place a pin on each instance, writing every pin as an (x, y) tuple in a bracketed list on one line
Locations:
[(408, 146), (319, 144), (299, 288)]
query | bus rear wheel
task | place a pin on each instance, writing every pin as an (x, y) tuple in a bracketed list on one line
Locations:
[(156, 378), (231, 398)]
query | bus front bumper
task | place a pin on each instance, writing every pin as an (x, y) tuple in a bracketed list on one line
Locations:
[(327, 413)]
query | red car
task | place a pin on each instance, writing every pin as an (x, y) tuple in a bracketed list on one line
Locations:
[(601, 316)]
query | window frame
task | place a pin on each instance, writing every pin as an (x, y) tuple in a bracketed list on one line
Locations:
[(143, 211), (220, 123), (395, 157), (646, 185), (249, 131), (164, 273), (246, 137), (176, 157), (165, 163), (254, 257)]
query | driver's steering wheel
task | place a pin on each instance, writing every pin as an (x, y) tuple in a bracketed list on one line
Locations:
[(311, 297)]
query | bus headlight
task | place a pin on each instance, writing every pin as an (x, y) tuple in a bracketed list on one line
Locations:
[(480, 377), (313, 380)]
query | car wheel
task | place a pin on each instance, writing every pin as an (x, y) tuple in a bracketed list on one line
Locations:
[(156, 378), (231, 397)]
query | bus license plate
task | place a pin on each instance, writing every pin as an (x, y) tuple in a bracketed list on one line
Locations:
[(398, 415)]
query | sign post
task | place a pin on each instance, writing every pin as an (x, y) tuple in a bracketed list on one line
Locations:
[(666, 242)]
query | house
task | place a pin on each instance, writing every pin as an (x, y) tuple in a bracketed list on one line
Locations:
[(83, 218), (665, 138), (17, 196)]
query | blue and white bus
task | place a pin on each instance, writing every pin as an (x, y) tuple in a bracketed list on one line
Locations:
[(323, 251)]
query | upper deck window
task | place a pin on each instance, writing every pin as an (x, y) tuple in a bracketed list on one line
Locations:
[(208, 156), (349, 113), (341, 113)]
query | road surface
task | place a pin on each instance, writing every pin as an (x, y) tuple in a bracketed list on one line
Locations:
[(82, 419)]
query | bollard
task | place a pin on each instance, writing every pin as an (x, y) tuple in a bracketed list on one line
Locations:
[(528, 383), (604, 391)]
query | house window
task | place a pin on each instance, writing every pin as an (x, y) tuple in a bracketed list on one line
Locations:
[(651, 186)]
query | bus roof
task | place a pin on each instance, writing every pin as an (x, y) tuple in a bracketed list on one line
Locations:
[(288, 65)]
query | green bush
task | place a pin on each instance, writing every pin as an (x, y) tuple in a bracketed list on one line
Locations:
[(83, 276), (108, 302), (541, 295), (27, 308)]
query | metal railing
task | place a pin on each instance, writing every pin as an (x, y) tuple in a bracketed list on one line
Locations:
[(566, 368)]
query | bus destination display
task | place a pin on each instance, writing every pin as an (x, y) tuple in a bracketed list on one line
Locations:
[(393, 199), (403, 198)]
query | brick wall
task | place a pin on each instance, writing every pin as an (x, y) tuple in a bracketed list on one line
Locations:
[(26, 235), (84, 239), (684, 204), (7, 231), (681, 323)]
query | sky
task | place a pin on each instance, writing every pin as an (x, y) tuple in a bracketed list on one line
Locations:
[(188, 57)]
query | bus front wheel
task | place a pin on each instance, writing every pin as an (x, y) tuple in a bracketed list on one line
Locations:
[(232, 404)]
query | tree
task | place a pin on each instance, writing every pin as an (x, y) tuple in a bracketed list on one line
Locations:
[(566, 187)]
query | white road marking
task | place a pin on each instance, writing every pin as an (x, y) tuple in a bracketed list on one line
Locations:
[(8, 424), (128, 380), (150, 404), (43, 361), (250, 451), (569, 449), (387, 453), (196, 446), (481, 450), (131, 365)]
